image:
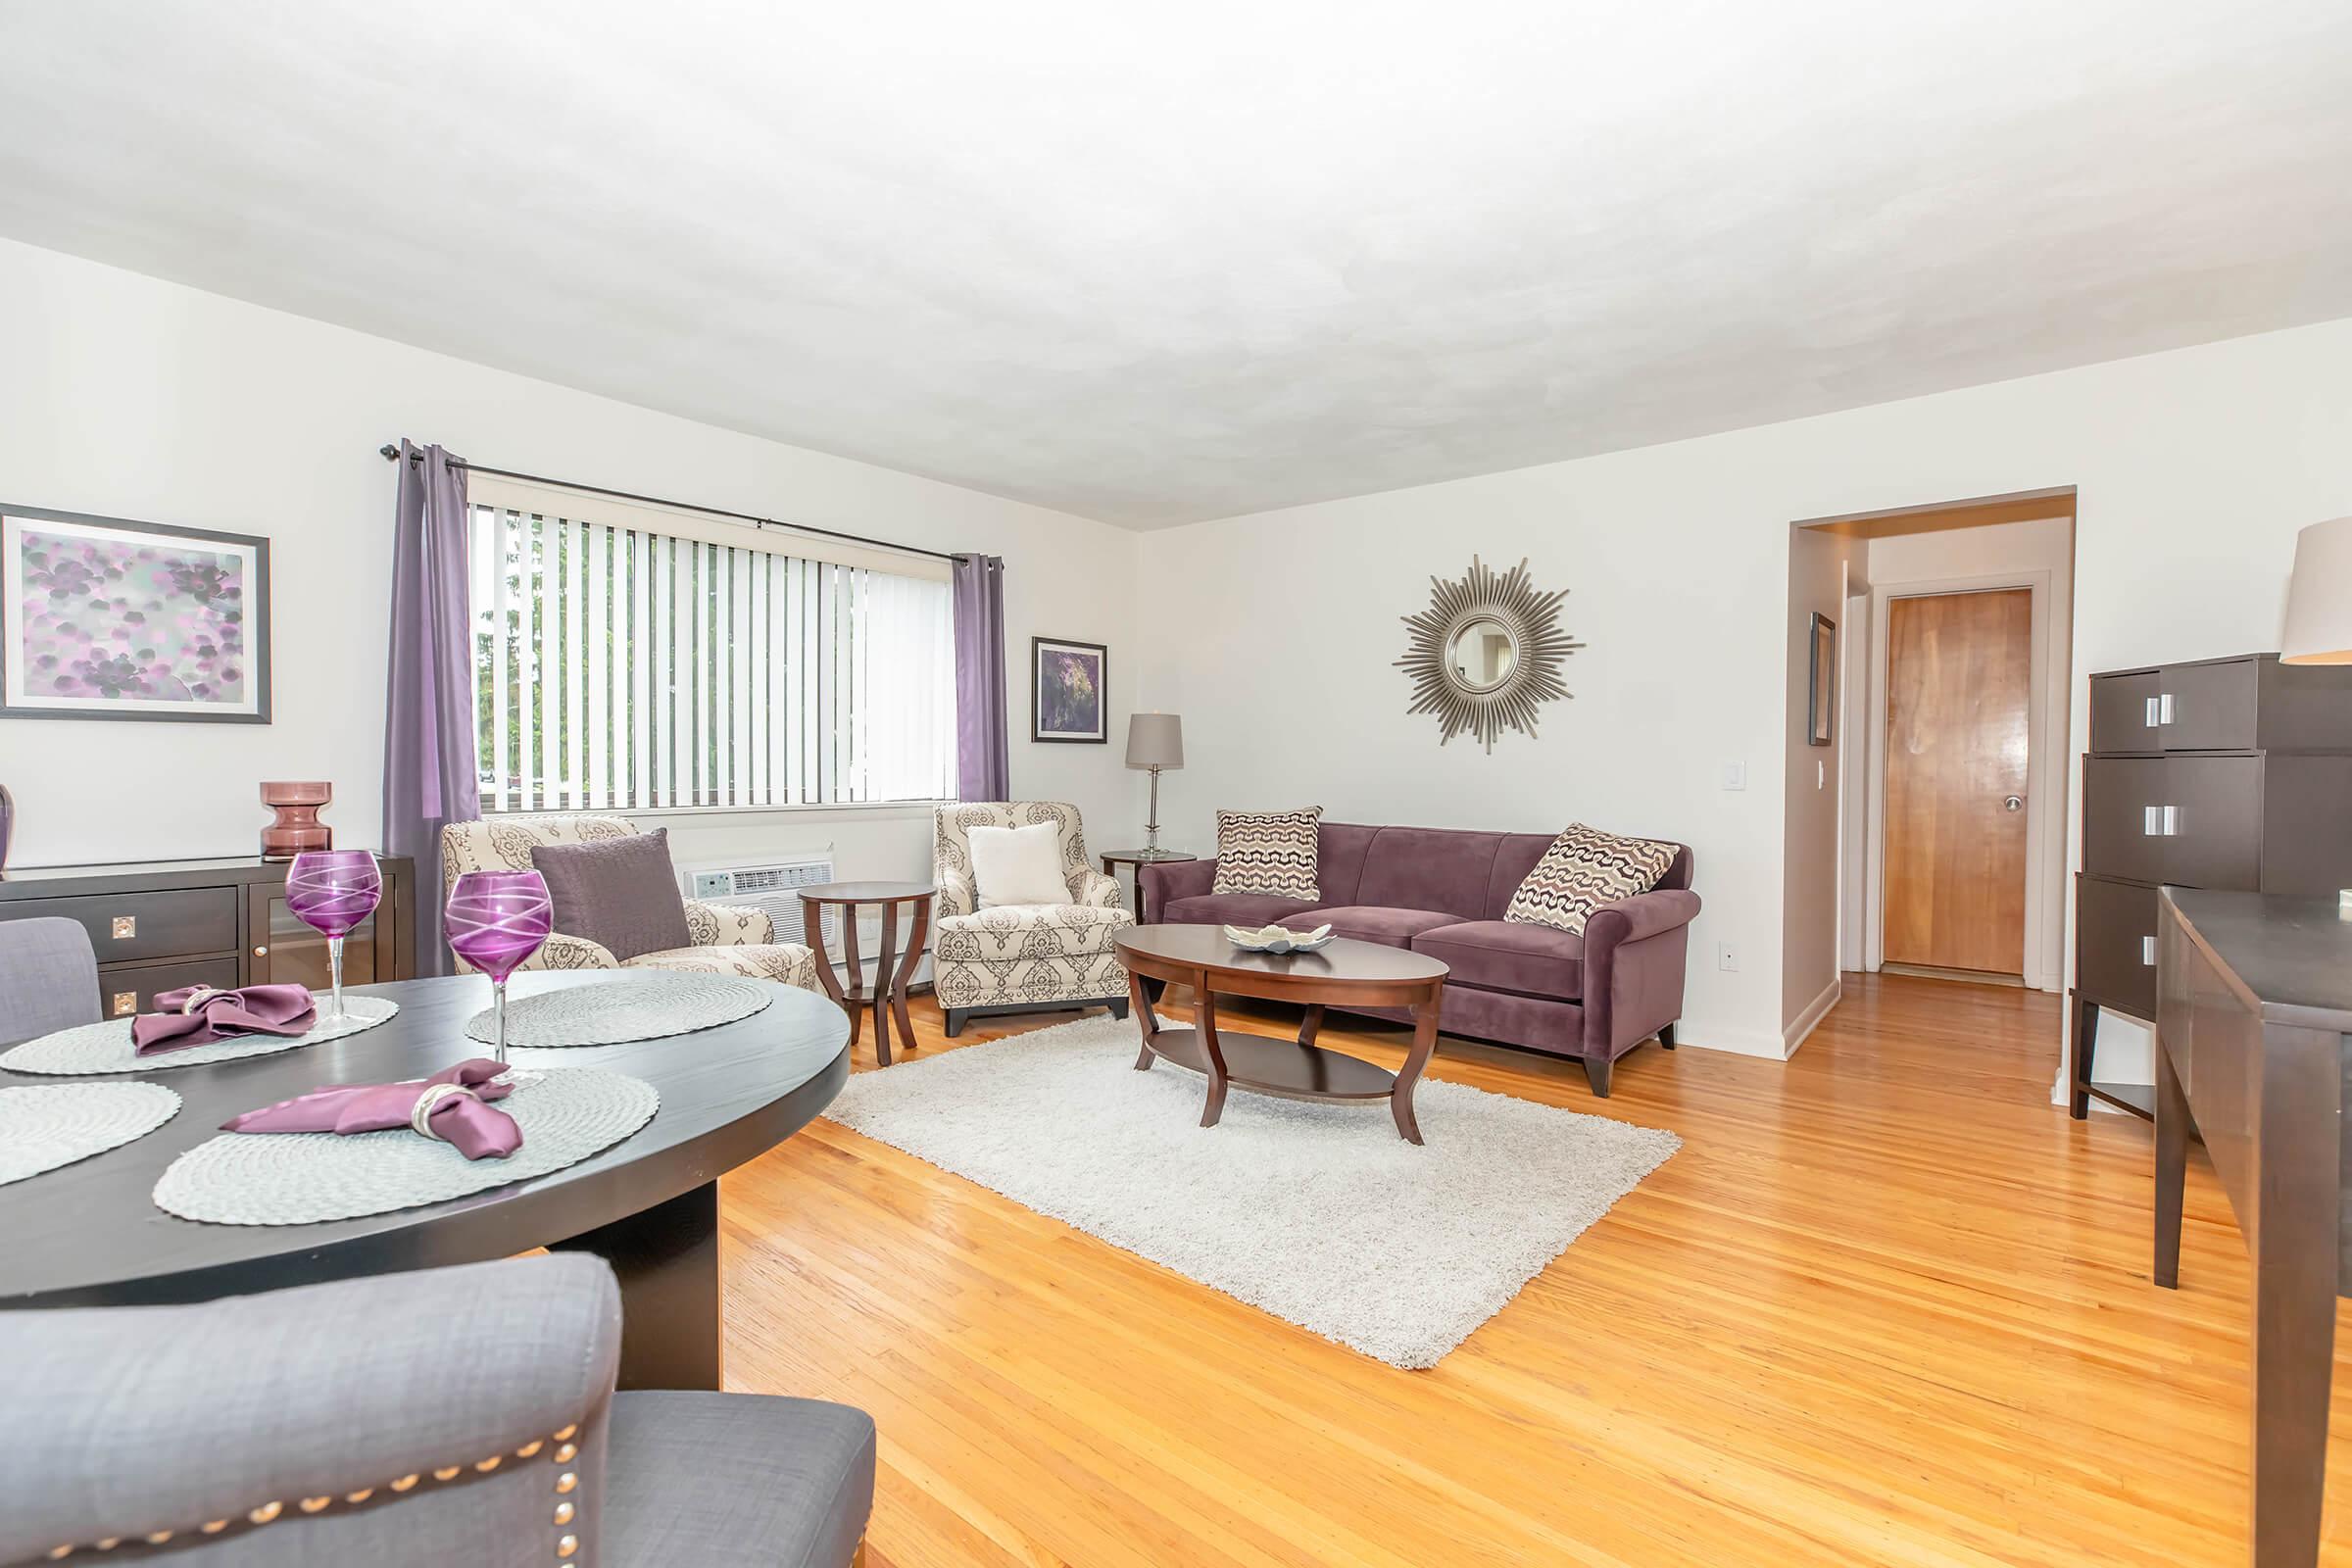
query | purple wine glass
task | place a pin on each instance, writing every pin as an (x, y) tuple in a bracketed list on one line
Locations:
[(494, 922), (331, 891)]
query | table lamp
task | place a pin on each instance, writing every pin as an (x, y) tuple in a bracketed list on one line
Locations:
[(1155, 741), (2319, 610)]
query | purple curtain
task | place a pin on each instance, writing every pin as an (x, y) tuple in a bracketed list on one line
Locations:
[(429, 773), (983, 763)]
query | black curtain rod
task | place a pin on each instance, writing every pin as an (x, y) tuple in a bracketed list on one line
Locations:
[(391, 453)]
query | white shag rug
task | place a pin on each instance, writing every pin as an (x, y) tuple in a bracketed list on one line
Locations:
[(1317, 1213)]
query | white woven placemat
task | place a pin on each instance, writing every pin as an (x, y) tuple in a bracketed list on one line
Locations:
[(97, 1048), (566, 1114), (48, 1125), (612, 1012)]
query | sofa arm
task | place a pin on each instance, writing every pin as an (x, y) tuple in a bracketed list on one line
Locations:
[(418, 1395), (1635, 953), (1645, 914), (560, 952), (728, 926), (1157, 883), (1091, 889)]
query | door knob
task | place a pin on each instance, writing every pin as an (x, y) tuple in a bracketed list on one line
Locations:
[(2013, 802)]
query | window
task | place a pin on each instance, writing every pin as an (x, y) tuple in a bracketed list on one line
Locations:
[(640, 658)]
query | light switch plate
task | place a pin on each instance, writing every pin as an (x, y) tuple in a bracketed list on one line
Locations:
[(1735, 775), (1725, 956)]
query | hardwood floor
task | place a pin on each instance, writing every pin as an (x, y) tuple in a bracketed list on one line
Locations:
[(1887, 1305)]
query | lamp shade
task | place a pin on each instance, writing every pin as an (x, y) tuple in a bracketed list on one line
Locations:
[(2319, 596), (1154, 740)]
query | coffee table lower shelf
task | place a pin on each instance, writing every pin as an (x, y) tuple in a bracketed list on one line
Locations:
[(1277, 1067)]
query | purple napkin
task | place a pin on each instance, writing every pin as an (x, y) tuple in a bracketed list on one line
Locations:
[(460, 1115), (198, 1015)]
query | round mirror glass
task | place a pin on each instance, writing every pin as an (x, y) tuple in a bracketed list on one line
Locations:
[(1482, 655)]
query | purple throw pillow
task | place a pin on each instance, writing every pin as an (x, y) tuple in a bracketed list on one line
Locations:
[(621, 894)]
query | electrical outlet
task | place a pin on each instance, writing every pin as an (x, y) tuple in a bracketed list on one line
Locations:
[(1735, 775), (1725, 957)]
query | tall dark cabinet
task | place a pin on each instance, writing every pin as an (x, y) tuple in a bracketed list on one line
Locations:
[(2233, 774), (161, 924)]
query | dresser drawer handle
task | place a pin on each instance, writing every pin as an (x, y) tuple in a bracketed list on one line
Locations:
[(127, 1002), (125, 926), (2147, 952), (2161, 822), (260, 953), (2155, 713), (2164, 709)]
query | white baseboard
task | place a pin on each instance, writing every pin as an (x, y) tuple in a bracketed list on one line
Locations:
[(1815, 1010), (1735, 1042)]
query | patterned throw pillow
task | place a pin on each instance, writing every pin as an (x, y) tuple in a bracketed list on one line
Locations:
[(1584, 869), (1268, 852)]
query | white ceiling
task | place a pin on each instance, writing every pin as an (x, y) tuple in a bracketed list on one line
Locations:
[(1153, 264)]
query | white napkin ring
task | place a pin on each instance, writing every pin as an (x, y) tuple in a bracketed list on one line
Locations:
[(420, 1117), (198, 998)]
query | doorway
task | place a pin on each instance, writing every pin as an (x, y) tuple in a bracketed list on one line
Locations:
[(1910, 855), (1959, 696)]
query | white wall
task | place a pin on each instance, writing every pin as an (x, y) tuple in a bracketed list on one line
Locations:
[(1274, 634), (2041, 553), (1812, 781), (132, 398)]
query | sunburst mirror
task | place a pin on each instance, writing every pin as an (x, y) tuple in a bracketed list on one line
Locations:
[(1486, 653)]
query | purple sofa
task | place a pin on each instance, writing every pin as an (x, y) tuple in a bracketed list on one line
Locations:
[(1443, 891)]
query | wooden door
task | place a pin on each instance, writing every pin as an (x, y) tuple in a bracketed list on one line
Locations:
[(1958, 673)]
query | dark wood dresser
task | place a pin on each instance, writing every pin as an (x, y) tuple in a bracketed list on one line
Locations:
[(159, 924), (2253, 1053), (2227, 774)]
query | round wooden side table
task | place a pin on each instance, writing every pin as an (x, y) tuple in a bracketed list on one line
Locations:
[(888, 994)]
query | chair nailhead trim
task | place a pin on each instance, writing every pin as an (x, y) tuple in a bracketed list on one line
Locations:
[(268, 1512)]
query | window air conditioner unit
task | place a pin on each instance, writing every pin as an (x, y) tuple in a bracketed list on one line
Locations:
[(770, 887)]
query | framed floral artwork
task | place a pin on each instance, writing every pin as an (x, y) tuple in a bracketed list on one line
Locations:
[(101, 617), (1069, 685)]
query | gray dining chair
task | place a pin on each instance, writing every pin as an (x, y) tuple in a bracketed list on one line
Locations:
[(48, 978), (454, 1415)]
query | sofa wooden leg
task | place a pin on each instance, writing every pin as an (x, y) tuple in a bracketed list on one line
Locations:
[(1119, 1008), (956, 1018), (1597, 1073), (1666, 1037)]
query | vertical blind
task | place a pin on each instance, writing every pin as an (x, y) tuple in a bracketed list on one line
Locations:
[(624, 667)]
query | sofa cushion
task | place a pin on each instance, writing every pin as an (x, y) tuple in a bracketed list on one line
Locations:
[(1429, 869), (1229, 909), (788, 962), (1533, 961), (1017, 864), (621, 894), (1584, 869), (1268, 852), (1372, 922)]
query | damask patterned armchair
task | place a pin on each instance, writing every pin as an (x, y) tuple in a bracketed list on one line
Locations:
[(727, 940), (1024, 957)]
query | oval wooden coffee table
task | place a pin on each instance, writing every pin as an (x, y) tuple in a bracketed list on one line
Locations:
[(1353, 974)]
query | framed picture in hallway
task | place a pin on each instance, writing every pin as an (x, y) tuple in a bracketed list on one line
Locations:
[(101, 617), (1820, 687), (1069, 690)]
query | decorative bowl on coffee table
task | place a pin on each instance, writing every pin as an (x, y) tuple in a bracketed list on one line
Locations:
[(1277, 939)]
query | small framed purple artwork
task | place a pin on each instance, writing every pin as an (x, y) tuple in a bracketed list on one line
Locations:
[(101, 617), (1069, 686)]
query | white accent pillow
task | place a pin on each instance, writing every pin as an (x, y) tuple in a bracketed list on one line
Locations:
[(1017, 864)]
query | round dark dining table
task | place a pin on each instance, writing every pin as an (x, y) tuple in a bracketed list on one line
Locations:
[(89, 1234)]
